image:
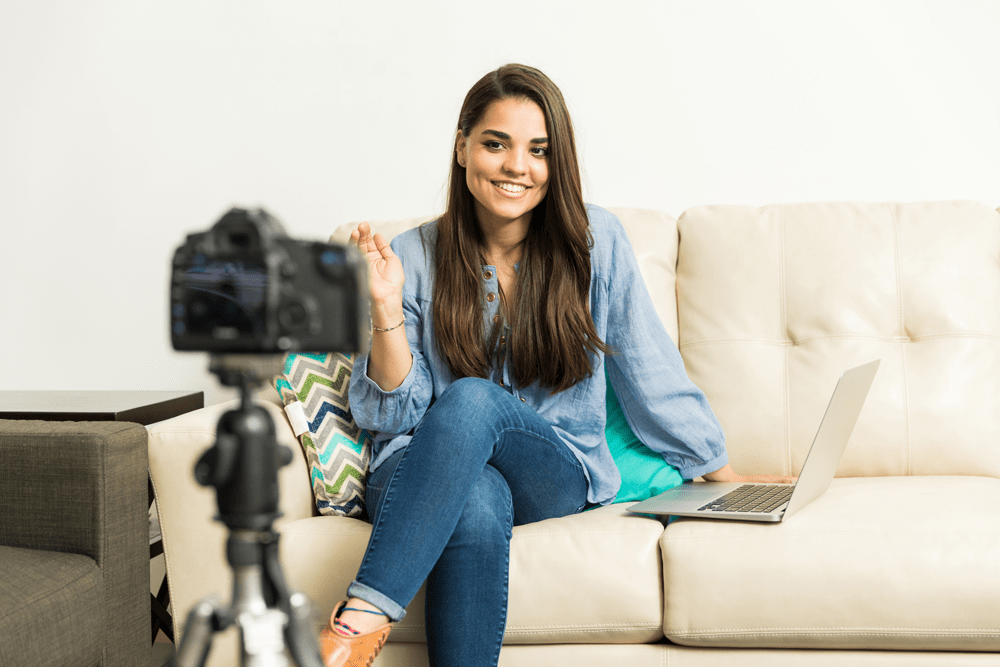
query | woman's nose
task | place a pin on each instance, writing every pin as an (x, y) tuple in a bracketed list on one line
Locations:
[(515, 162)]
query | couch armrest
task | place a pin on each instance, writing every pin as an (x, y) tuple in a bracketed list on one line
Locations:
[(80, 487), (193, 541)]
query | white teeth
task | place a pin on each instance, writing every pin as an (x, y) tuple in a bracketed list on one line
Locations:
[(511, 187)]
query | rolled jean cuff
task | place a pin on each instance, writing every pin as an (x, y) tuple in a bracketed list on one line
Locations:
[(372, 596)]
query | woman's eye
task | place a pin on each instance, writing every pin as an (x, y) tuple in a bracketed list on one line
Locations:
[(494, 145), (540, 151)]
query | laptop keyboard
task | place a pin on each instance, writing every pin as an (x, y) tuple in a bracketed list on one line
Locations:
[(761, 498)]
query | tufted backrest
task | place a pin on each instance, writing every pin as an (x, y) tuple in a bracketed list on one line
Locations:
[(775, 302), (769, 305)]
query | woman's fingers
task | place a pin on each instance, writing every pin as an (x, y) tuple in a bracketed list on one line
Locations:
[(385, 272), (772, 479), (362, 236), (382, 246), (370, 243)]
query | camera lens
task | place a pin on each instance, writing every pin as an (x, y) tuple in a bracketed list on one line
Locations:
[(293, 315)]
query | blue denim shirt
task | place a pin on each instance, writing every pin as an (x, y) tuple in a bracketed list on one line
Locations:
[(662, 406)]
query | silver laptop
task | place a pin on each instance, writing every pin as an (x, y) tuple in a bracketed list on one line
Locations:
[(777, 502)]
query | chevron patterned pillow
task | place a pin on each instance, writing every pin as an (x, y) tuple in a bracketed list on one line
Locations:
[(313, 389)]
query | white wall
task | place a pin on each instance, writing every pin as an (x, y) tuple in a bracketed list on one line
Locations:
[(125, 125)]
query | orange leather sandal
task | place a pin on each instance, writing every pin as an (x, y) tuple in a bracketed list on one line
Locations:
[(340, 650)]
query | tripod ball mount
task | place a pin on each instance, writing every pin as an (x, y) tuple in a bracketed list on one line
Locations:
[(275, 623)]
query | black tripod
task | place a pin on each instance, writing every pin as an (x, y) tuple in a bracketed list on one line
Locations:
[(275, 625)]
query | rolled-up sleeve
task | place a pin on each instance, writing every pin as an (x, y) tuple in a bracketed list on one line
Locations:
[(667, 411), (397, 411)]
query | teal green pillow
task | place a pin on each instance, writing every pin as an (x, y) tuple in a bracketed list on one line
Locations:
[(644, 472)]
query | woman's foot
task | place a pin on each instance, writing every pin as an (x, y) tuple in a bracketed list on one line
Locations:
[(362, 616), (355, 634)]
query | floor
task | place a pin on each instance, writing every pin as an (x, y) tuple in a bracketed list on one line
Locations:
[(163, 653)]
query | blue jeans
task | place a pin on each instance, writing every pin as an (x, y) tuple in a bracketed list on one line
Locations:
[(479, 463)]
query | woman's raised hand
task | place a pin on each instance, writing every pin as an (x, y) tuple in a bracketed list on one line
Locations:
[(385, 276), (390, 358)]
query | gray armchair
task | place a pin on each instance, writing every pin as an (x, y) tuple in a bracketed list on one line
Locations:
[(74, 544)]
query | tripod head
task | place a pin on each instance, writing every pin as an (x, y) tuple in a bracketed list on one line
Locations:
[(243, 467)]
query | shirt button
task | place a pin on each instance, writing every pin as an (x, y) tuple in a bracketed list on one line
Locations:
[(488, 275), (496, 318), (522, 400), (491, 297)]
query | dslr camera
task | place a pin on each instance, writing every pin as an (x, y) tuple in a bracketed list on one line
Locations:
[(245, 287), (248, 294)]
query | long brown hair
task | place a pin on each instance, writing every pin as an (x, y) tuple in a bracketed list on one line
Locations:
[(552, 333)]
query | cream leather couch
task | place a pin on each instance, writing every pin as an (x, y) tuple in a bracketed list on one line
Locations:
[(897, 564)]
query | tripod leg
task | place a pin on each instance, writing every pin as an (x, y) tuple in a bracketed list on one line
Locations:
[(300, 635), (202, 622)]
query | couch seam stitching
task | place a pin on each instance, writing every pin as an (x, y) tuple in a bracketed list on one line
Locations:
[(903, 339), (588, 532), (809, 339), (784, 325), (905, 632), (770, 535), (580, 627)]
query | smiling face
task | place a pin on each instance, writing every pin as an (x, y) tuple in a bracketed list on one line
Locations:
[(505, 156)]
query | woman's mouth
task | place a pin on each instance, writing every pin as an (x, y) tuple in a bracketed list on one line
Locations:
[(512, 188)]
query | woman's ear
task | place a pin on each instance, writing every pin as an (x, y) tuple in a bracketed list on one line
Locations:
[(460, 148)]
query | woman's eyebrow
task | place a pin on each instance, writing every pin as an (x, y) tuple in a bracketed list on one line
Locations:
[(506, 137)]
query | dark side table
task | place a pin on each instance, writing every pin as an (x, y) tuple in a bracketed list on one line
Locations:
[(141, 407)]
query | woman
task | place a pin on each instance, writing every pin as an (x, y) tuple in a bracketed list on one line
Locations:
[(485, 383)]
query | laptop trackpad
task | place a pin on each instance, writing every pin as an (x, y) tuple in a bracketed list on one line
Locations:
[(692, 495)]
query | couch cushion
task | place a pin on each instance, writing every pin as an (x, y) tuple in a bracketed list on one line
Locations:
[(51, 608), (589, 578), (195, 544), (907, 563), (774, 303)]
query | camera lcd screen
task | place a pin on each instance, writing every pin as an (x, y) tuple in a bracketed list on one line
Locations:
[(225, 299), (244, 287)]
